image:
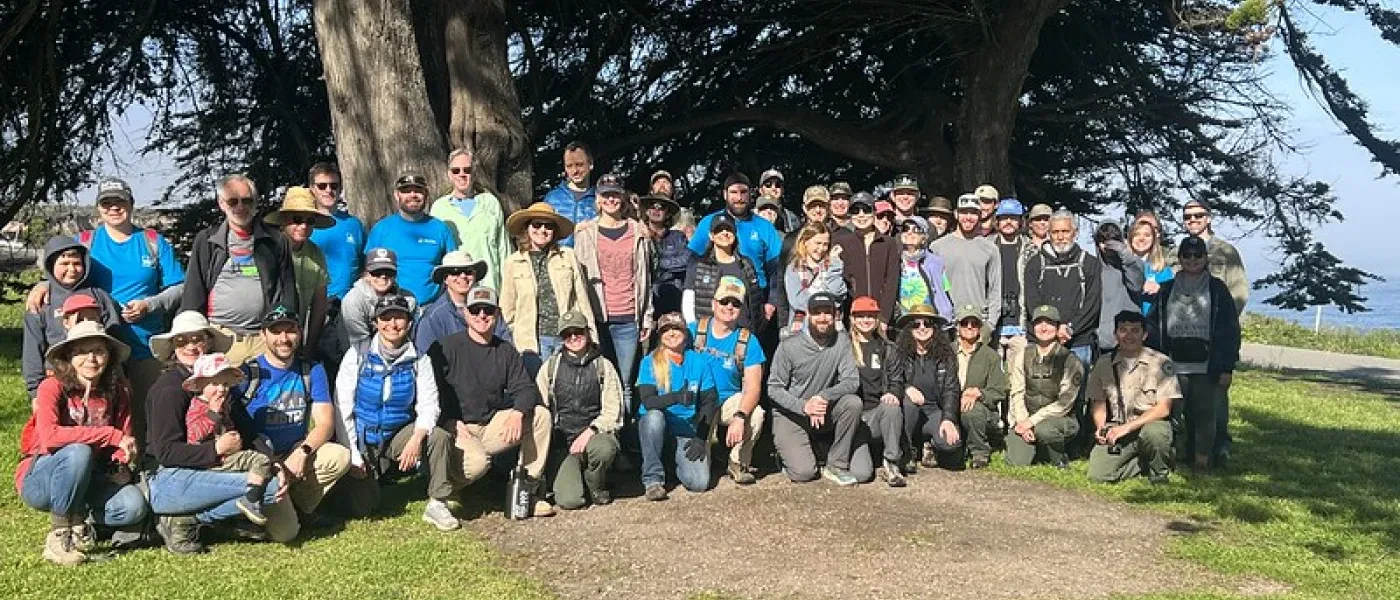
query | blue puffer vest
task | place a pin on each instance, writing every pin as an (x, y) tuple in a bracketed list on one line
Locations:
[(377, 415)]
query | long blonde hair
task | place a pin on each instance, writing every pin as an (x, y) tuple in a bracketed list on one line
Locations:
[(858, 347), (1155, 256), (808, 231)]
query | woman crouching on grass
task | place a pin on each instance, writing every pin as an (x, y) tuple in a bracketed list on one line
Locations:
[(678, 405), (78, 445)]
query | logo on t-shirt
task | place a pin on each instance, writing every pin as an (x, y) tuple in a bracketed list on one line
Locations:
[(427, 240)]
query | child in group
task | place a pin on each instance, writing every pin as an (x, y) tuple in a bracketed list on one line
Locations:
[(66, 267), (210, 379)]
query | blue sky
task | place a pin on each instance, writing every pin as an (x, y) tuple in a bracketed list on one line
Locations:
[(1327, 153)]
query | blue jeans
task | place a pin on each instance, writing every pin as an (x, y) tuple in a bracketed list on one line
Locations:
[(624, 339), (535, 360), (208, 495), (694, 474), (64, 483)]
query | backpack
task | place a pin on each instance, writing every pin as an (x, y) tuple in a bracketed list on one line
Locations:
[(1077, 265), (552, 366), (741, 347), (255, 377), (152, 246)]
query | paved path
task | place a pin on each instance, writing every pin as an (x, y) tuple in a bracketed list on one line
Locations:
[(1348, 366)]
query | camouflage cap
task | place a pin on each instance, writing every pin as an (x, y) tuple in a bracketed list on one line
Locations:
[(905, 182), (841, 188)]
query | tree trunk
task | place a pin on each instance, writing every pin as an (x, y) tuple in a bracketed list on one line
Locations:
[(995, 75), (380, 112), (485, 106)]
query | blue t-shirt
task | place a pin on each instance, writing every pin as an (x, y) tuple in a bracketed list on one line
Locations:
[(343, 244), (693, 374), (420, 246), (1160, 277), (128, 272), (728, 376), (281, 410), (758, 241)]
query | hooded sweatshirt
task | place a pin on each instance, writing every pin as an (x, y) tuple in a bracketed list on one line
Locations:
[(804, 367), (357, 311), (1122, 288), (1071, 282), (43, 330)]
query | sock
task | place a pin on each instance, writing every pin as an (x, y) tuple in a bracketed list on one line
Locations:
[(255, 492)]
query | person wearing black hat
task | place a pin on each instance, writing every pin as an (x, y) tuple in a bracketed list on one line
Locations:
[(722, 258), (238, 269), (1225, 262), (672, 256), (872, 259), (756, 238), (419, 239), (813, 384), (1131, 393), (284, 395), (1194, 322), (1045, 380)]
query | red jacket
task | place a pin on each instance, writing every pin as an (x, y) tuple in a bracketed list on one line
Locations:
[(58, 421)]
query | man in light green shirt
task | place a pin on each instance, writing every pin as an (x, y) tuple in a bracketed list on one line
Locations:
[(475, 216)]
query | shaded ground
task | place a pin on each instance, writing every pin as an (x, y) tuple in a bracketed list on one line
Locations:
[(948, 535)]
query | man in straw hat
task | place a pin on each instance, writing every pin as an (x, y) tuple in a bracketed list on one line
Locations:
[(298, 217), (419, 239)]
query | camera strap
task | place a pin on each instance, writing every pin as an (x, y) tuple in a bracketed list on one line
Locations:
[(1118, 386)]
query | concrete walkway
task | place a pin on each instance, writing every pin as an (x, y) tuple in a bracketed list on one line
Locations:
[(1349, 366)]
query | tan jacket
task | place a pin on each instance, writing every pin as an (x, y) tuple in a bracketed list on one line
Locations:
[(586, 248), (519, 300)]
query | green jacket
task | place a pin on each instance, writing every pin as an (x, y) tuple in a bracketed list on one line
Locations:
[(482, 235), (984, 372)]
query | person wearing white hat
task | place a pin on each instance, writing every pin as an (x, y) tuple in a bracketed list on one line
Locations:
[(77, 445), (458, 274), (972, 263)]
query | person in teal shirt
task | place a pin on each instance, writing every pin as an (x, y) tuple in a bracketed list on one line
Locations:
[(343, 244), (676, 389), (419, 240), (758, 239)]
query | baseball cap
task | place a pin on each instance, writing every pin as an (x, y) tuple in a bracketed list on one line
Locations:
[(1196, 203), (112, 187), (280, 314), (863, 198), (865, 304), (736, 178), (572, 320), (482, 295), (731, 287), (967, 311), (670, 320), (883, 206), (1010, 207), (411, 179), (767, 202), (381, 259), (987, 192), (814, 194), (1045, 311), (841, 188), (969, 202), (918, 222), (1192, 244), (611, 184), (770, 174), (722, 219), (78, 302), (1041, 210), (905, 181), (822, 300), (391, 303)]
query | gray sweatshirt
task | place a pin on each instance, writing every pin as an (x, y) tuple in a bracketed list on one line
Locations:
[(44, 329), (974, 272), (803, 368), (357, 312), (1122, 288)]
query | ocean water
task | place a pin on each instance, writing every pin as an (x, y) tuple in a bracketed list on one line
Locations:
[(1383, 300)]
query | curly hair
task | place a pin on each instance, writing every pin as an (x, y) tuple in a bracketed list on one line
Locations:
[(107, 385), (939, 346)]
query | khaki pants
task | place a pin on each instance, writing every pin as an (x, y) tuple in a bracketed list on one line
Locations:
[(142, 375), (244, 346), (358, 497), (742, 453), (329, 464), (247, 461), (474, 451)]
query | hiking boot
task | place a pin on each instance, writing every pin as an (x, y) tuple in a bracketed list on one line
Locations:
[(84, 537), (440, 516), (59, 548), (542, 509), (893, 476), (740, 474), (127, 540), (930, 458), (656, 492), (252, 510), (980, 462), (840, 477), (1062, 463), (600, 497), (181, 534), (244, 530)]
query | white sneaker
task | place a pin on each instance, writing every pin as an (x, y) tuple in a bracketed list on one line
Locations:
[(440, 516)]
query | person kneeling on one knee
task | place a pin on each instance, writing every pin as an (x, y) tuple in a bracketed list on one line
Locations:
[(1131, 391), (1044, 383), (583, 390), (678, 404), (388, 403)]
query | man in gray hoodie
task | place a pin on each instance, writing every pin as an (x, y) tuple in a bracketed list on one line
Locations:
[(1122, 281), (813, 383), (66, 266)]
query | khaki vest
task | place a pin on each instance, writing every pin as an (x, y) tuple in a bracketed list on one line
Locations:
[(1043, 377)]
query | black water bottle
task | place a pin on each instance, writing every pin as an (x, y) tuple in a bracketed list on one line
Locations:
[(519, 495)]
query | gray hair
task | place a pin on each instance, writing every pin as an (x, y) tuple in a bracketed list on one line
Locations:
[(459, 152), (1065, 215), (237, 178)]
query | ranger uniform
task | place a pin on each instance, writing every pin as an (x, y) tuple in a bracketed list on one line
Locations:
[(1131, 386), (1044, 384)]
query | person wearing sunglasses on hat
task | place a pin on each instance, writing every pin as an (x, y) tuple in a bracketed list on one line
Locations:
[(575, 198), (871, 258), (238, 269), (1045, 380), (1194, 321), (720, 259), (419, 239), (542, 281), (475, 216), (922, 279), (342, 244), (927, 370), (972, 263), (1225, 261), (298, 216)]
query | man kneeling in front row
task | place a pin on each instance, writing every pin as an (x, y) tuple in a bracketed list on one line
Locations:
[(1131, 391)]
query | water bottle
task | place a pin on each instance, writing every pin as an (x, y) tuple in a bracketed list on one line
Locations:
[(519, 495)]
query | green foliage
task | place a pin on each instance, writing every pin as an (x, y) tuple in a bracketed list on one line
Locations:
[(1312, 276), (1261, 329), (1250, 13)]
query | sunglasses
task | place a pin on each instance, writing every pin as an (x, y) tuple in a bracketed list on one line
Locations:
[(460, 170), (382, 274), (921, 324), (396, 314), (244, 201), (772, 184), (184, 340), (300, 220), (910, 229), (862, 209), (112, 205), (1195, 216), (722, 230), (1192, 255), (574, 333), (481, 310), (731, 302), (549, 225), (328, 185), (970, 324), (456, 272)]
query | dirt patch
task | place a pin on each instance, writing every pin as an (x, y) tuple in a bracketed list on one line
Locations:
[(948, 535)]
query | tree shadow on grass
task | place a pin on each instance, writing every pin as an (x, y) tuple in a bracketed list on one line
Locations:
[(1361, 379), (1346, 480)]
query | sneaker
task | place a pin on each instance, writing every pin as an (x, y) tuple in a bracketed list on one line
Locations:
[(980, 462), (656, 492), (1062, 463), (893, 476), (252, 510), (59, 549), (84, 537), (181, 534), (440, 516), (542, 509), (740, 474), (127, 540), (930, 459), (839, 477), (600, 497)]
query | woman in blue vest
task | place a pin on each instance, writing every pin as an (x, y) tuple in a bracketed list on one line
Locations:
[(387, 399), (678, 401)]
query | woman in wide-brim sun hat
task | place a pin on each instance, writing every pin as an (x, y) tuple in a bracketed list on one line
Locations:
[(563, 227), (189, 322)]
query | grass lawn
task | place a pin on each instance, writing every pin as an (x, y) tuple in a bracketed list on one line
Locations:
[(1260, 329), (1313, 503)]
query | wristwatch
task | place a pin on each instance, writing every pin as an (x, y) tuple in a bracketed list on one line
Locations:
[(307, 449), (739, 414)]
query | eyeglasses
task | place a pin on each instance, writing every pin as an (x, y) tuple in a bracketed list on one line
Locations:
[(300, 220), (862, 209), (731, 302), (460, 170), (481, 310), (382, 274), (185, 340), (549, 225), (1194, 216), (921, 324), (244, 201), (327, 185)]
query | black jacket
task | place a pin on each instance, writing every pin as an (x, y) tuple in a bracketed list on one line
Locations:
[(477, 380), (936, 380), (272, 253), (166, 435), (1073, 284), (1224, 328), (578, 392)]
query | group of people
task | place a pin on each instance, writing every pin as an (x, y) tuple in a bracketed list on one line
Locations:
[(296, 363)]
